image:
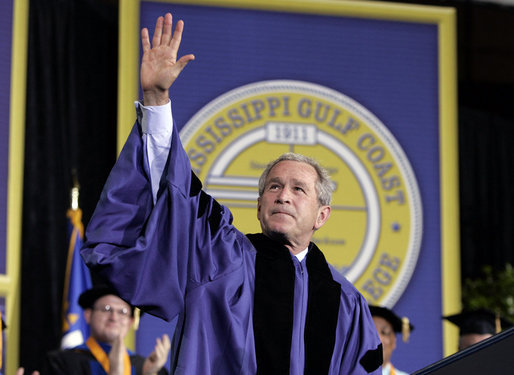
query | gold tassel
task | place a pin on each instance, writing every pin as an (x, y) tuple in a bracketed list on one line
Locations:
[(405, 329), (137, 317)]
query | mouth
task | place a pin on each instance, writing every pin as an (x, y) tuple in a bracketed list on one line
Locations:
[(281, 212)]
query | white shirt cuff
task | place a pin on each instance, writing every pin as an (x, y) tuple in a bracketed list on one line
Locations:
[(155, 119)]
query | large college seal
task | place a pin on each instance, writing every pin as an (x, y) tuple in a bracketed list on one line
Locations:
[(374, 232)]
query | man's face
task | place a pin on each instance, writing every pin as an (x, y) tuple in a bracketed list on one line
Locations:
[(387, 337), (289, 208), (469, 339), (109, 318)]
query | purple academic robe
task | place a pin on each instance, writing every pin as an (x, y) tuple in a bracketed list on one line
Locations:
[(183, 256)]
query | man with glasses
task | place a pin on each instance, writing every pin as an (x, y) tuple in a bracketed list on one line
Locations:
[(109, 318)]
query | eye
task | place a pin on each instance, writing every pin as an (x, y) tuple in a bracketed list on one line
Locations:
[(123, 311), (386, 332)]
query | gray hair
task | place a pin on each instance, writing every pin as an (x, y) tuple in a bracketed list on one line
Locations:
[(324, 185)]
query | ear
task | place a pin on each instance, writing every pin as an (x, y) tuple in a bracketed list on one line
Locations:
[(87, 315), (259, 208), (131, 324), (126, 327), (393, 341), (323, 215)]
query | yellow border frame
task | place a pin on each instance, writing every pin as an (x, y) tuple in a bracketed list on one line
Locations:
[(10, 283), (444, 17)]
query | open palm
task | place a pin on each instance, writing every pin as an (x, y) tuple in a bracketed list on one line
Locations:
[(160, 67)]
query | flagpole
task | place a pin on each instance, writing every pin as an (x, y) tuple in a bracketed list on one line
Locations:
[(77, 279)]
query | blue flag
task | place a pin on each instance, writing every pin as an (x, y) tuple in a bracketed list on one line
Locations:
[(78, 280)]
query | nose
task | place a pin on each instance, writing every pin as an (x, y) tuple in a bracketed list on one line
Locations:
[(283, 196), (116, 316)]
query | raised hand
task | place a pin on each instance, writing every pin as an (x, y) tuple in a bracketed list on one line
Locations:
[(159, 66), (116, 356), (157, 359)]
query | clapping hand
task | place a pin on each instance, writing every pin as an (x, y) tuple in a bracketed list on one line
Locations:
[(157, 359)]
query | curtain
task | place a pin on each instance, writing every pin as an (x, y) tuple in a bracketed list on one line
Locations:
[(486, 158), (70, 128)]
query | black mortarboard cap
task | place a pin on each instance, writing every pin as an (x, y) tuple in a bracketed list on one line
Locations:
[(479, 321), (400, 325), (88, 298)]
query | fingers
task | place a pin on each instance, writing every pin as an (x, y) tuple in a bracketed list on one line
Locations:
[(184, 60), (156, 360), (116, 356), (166, 346), (156, 40), (166, 35), (162, 348), (162, 34), (145, 40), (160, 65), (118, 347), (177, 35)]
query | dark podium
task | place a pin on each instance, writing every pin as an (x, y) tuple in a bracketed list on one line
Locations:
[(494, 356)]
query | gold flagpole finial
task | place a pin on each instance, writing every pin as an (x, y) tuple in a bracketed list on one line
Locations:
[(74, 198), (75, 191)]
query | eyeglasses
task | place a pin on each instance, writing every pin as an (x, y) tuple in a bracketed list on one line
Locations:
[(108, 309)]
